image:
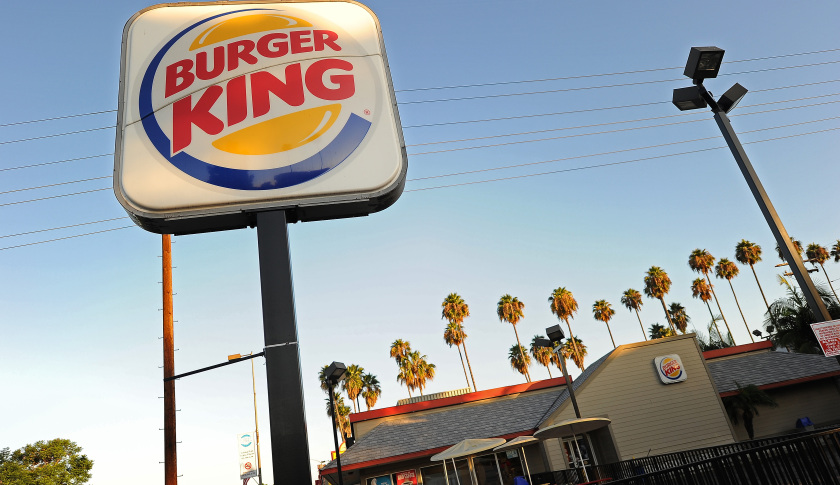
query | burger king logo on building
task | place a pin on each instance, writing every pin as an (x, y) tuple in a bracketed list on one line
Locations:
[(248, 105), (669, 368)]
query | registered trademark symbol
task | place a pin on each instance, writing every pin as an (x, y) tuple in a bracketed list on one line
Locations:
[(367, 112)]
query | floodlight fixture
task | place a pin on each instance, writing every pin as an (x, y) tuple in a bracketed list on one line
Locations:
[(336, 371), (689, 98), (703, 63), (555, 334), (732, 97), (543, 342)]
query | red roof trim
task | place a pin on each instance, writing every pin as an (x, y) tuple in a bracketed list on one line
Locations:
[(409, 456), (789, 382), (451, 401), (738, 349)]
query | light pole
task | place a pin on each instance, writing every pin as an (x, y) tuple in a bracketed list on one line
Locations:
[(256, 422), (556, 336), (704, 63), (334, 373)]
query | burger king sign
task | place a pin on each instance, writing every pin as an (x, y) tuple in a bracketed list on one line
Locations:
[(670, 369), (231, 108)]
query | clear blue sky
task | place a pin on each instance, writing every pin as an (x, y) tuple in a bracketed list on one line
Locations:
[(79, 346)]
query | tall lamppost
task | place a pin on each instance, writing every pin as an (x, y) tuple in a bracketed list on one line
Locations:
[(256, 422), (334, 374), (704, 63), (556, 336)]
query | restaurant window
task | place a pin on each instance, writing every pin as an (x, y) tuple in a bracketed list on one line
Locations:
[(433, 475)]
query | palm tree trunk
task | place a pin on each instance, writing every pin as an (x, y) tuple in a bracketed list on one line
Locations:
[(522, 350), (714, 322), (668, 315), (463, 366), (739, 309), (640, 324), (760, 289), (829, 282), (548, 368), (610, 331), (721, 311), (469, 365), (571, 336)]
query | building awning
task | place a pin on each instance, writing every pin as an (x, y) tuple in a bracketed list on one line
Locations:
[(517, 442), (571, 427), (468, 447)]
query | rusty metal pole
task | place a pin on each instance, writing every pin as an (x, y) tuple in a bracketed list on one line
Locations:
[(170, 454)]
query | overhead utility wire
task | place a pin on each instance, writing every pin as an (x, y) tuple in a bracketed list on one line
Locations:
[(56, 185), (41, 164), (63, 227), (15, 123), (9, 142), (607, 164), (55, 196), (583, 76), (492, 180)]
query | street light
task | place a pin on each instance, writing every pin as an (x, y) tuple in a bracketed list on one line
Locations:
[(704, 63), (556, 336), (256, 422), (334, 374)]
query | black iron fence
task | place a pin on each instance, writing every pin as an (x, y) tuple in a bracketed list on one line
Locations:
[(807, 458)]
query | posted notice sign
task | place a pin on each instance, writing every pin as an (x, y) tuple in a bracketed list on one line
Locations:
[(247, 456), (828, 335)]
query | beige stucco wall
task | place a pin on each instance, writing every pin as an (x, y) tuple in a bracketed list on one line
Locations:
[(818, 400), (647, 415)]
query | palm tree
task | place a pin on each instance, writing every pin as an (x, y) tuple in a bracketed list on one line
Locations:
[(632, 299), (745, 404), (700, 289), (511, 310), (818, 256), (749, 253), (727, 270), (563, 304), (797, 244), (789, 324), (352, 384), (371, 390), (455, 335), (702, 262), (455, 310), (399, 349), (657, 285), (715, 340), (543, 355), (658, 331), (604, 313), (575, 349), (342, 421), (679, 317), (835, 251), (422, 369), (406, 374), (520, 360)]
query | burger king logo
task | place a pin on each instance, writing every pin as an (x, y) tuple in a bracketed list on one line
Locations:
[(669, 368), (257, 98)]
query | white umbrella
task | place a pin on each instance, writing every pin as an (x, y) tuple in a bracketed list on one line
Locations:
[(572, 427), (465, 448), (520, 443)]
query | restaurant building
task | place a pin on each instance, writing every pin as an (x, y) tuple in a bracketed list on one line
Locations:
[(658, 397)]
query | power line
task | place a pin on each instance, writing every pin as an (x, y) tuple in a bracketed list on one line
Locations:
[(62, 227), (9, 142), (63, 238), (55, 196), (56, 185), (41, 164), (15, 123)]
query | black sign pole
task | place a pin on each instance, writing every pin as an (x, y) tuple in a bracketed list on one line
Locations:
[(289, 445)]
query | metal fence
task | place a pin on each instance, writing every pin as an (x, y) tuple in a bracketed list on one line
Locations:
[(804, 459)]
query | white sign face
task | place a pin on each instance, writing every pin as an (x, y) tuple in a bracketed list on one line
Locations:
[(247, 456), (828, 335), (670, 369), (237, 107)]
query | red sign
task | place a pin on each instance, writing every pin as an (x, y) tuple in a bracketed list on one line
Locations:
[(828, 334), (408, 477)]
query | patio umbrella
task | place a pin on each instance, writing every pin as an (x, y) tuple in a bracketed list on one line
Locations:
[(467, 448), (573, 427), (520, 443)]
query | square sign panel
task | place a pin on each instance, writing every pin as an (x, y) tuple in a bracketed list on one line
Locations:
[(670, 369), (227, 109)]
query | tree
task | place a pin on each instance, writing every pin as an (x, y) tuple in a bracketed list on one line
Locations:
[(575, 349), (406, 375), (543, 355), (342, 416), (602, 311), (658, 331), (455, 335), (749, 253), (702, 262), (520, 360), (715, 340), (423, 370), (657, 285), (679, 316), (352, 384), (727, 270), (511, 310), (700, 289), (455, 310), (563, 304), (371, 390), (790, 319), (399, 349), (835, 251), (744, 405), (818, 256), (632, 299), (796, 245), (54, 462)]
